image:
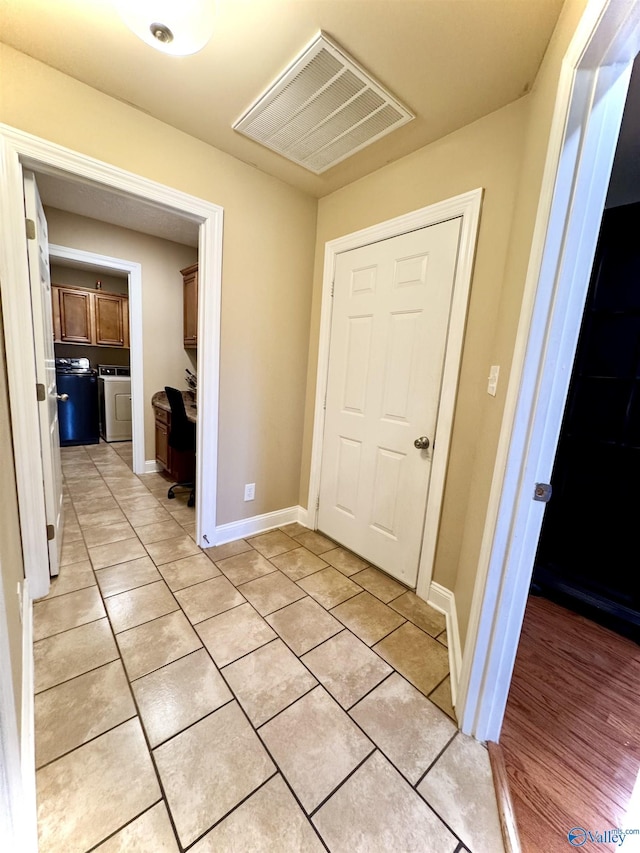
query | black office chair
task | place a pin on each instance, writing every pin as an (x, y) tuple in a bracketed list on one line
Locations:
[(182, 438)]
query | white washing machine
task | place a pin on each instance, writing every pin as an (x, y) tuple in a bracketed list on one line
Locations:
[(114, 395)]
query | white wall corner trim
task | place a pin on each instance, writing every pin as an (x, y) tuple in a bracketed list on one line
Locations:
[(18, 828), (256, 524), (303, 517), (444, 600), (588, 110), (467, 206), (28, 734)]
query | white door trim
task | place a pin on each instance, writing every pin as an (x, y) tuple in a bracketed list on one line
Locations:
[(467, 206), (589, 105), (134, 272), (17, 757), (18, 149)]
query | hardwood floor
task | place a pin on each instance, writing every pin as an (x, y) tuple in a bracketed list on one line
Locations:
[(571, 734)]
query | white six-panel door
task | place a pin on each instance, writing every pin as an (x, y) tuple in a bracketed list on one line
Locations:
[(40, 281), (391, 307)]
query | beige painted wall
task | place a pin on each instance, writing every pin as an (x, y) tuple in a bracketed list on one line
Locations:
[(269, 230), (11, 564), (503, 153), (87, 278), (164, 355), (485, 154)]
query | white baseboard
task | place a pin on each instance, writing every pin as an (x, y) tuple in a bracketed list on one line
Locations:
[(303, 516), (151, 466), (27, 728), (444, 600), (257, 524)]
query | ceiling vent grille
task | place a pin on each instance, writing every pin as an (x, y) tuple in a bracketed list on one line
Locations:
[(322, 109)]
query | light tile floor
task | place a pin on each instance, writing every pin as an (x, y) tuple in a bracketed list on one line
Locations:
[(275, 694)]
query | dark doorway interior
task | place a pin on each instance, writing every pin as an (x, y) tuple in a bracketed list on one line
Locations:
[(588, 551)]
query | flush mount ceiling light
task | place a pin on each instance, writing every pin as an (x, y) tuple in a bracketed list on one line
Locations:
[(178, 27), (322, 109)]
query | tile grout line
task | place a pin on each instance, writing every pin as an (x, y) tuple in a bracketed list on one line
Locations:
[(192, 844), (344, 781), (436, 759), (117, 725), (369, 692), (72, 627), (194, 722), (74, 677)]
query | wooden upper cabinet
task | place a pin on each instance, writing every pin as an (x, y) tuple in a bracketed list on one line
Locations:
[(92, 317), (190, 310), (112, 321), (75, 315)]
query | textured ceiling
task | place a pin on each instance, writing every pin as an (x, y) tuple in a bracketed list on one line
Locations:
[(117, 209), (450, 61)]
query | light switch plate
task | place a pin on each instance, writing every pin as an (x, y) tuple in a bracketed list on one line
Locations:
[(493, 379)]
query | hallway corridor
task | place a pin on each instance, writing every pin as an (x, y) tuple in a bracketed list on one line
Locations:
[(274, 694)]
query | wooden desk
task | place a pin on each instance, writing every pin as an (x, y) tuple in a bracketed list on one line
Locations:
[(179, 465)]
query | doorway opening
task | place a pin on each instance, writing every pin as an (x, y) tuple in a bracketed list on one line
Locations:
[(106, 188), (585, 557), (591, 96), (87, 270)]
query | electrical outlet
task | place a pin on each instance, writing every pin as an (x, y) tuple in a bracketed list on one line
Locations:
[(493, 379), (249, 491)]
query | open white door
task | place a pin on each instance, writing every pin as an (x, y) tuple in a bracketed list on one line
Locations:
[(392, 303), (40, 282)]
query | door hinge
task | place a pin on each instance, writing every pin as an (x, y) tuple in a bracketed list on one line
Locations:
[(333, 287), (31, 229), (41, 392), (542, 492), (51, 532)]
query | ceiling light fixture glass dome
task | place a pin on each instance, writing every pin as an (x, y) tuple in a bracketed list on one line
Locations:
[(178, 27)]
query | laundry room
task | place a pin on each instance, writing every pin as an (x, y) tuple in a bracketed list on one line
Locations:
[(90, 310), (96, 347)]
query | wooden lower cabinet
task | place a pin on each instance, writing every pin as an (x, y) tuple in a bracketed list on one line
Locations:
[(179, 465), (163, 420)]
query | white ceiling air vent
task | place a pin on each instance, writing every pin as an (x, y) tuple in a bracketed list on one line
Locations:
[(322, 109)]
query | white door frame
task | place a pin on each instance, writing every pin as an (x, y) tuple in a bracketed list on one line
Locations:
[(18, 149), (589, 105), (91, 260), (467, 207)]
